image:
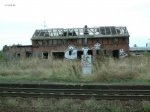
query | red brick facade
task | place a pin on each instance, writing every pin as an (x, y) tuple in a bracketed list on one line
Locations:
[(46, 43)]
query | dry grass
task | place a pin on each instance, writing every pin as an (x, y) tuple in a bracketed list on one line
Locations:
[(132, 69), (128, 69)]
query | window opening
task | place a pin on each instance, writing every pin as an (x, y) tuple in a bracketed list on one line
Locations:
[(28, 54), (45, 55)]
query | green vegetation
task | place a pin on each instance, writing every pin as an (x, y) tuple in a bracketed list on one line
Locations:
[(146, 106), (146, 53), (1, 55), (70, 105), (104, 70)]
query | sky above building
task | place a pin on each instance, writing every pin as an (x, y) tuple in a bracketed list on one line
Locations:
[(20, 18)]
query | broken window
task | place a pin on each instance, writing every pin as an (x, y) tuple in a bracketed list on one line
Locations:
[(102, 30), (28, 54), (18, 55), (73, 33), (69, 33), (58, 55), (118, 31), (46, 34), (36, 33), (80, 53), (108, 31), (45, 55), (113, 30), (42, 33)]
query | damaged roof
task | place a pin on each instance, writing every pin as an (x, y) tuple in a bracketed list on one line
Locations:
[(104, 31)]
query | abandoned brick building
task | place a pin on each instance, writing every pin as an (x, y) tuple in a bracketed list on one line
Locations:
[(47, 43)]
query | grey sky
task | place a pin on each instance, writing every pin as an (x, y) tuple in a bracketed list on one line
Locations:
[(20, 18)]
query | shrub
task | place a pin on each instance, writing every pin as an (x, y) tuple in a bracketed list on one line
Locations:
[(146, 106), (1, 55)]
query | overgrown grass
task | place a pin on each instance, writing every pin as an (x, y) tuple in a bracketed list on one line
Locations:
[(128, 69), (70, 105), (132, 69)]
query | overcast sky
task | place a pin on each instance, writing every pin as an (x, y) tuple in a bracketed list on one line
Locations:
[(20, 18)]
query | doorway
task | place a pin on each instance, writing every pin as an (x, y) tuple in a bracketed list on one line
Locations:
[(116, 53)]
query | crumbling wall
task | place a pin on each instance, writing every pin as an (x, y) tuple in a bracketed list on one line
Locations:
[(17, 52)]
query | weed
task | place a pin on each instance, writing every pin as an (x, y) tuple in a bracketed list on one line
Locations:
[(146, 106), (107, 70)]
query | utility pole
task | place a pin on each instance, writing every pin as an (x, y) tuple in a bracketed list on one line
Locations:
[(85, 35)]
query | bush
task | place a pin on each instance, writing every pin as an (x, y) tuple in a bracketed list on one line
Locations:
[(146, 106), (146, 53), (1, 55)]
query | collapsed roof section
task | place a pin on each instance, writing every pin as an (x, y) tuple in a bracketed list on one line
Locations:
[(104, 31)]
